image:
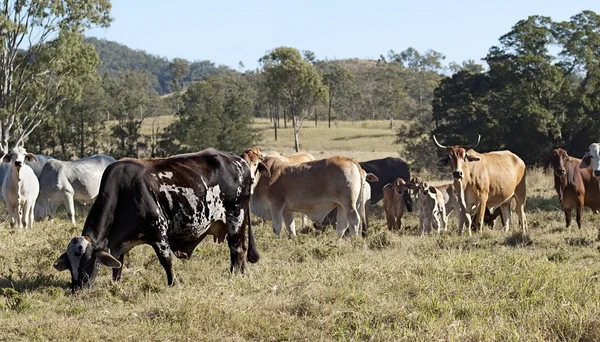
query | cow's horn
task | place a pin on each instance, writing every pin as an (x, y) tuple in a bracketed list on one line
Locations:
[(473, 145), (437, 143)]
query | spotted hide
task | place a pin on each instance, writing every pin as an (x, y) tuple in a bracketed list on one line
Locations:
[(171, 204)]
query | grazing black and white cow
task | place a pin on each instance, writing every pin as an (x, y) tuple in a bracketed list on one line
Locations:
[(171, 204)]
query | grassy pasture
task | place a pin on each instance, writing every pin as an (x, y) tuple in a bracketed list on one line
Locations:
[(539, 286)]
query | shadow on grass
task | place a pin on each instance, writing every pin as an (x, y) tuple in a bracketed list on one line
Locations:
[(31, 282), (360, 137), (542, 204)]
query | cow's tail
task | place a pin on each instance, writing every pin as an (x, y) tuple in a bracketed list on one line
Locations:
[(361, 202), (253, 255)]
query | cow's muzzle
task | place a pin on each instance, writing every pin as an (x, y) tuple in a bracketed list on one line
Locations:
[(457, 174), (18, 163), (596, 173), (560, 172)]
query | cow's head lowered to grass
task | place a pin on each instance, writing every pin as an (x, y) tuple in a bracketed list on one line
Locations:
[(458, 157), (82, 258)]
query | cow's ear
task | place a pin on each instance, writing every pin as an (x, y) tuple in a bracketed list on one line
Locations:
[(371, 177), (432, 190), (411, 185), (585, 161), (31, 157), (7, 158), (472, 158), (62, 263), (443, 161), (106, 259), (388, 186), (262, 168)]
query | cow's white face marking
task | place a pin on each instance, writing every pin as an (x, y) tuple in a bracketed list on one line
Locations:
[(75, 251), (595, 154)]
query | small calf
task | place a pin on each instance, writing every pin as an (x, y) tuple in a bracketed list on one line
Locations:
[(393, 203), (20, 188), (432, 207)]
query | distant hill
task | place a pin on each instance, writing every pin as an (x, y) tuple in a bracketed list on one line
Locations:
[(117, 58)]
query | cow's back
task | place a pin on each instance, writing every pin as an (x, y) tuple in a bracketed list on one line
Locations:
[(387, 171), (499, 171), (85, 175)]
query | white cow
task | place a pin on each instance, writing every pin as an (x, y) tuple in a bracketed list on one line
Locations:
[(36, 165), (66, 181), (20, 188)]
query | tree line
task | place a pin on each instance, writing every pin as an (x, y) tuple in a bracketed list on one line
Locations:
[(73, 96)]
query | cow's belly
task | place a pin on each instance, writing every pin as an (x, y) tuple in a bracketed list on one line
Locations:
[(314, 211)]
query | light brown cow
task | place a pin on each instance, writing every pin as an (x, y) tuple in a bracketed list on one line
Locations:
[(393, 203), (298, 157), (486, 180), (314, 189), (253, 157)]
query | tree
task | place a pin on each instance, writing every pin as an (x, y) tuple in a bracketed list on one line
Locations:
[(337, 79), (43, 58), (180, 68), (294, 82), (216, 112)]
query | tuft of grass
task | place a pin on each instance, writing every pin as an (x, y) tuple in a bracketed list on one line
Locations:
[(518, 239)]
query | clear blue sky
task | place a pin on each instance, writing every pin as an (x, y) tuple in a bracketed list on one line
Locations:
[(227, 32)]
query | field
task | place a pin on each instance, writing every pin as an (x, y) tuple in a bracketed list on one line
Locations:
[(539, 286)]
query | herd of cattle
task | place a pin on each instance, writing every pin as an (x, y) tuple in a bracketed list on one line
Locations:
[(173, 203)]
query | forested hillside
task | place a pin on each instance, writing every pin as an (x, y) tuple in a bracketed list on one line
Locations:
[(117, 59)]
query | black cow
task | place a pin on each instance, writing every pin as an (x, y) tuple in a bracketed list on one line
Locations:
[(387, 171), (170, 204)]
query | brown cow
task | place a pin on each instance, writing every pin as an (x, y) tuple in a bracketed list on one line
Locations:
[(484, 180), (393, 203), (314, 189), (576, 187)]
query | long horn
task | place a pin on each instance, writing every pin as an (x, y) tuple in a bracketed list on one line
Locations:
[(437, 143), (473, 145)]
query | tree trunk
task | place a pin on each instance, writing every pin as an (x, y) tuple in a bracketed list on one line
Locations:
[(296, 129), (315, 112), (82, 146), (392, 123), (275, 126), (329, 112), (284, 118)]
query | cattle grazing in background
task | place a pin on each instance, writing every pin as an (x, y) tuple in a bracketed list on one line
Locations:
[(313, 188), (35, 165), (20, 188), (432, 207), (393, 203), (387, 171), (171, 204), (484, 180), (66, 181)]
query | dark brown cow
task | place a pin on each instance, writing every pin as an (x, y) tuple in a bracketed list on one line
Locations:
[(576, 187)]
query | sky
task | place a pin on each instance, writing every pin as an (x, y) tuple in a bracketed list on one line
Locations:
[(228, 31)]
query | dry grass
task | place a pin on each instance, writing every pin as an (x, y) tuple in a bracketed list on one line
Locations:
[(539, 286)]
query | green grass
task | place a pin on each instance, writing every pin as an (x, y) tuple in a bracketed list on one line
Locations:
[(540, 286)]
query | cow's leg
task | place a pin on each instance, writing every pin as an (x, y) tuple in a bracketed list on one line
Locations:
[(31, 214), (117, 271), (276, 218), (163, 252), (236, 238), (290, 225), (505, 215), (342, 221), (26, 214), (481, 212), (11, 213), (580, 211), (521, 198), (444, 217), (353, 221), (568, 212), (70, 205), (390, 219)]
